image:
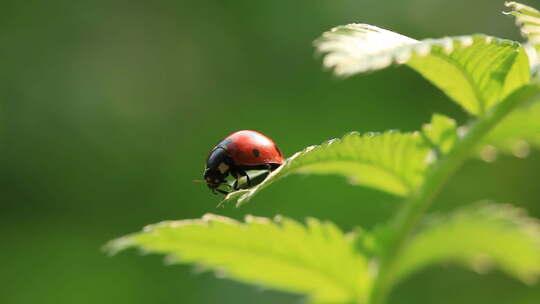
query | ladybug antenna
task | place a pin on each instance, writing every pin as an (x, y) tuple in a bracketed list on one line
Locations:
[(198, 181)]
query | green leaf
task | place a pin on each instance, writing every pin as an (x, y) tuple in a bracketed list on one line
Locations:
[(480, 236), (528, 21), (441, 133), (392, 161), (516, 134), (317, 259), (476, 71)]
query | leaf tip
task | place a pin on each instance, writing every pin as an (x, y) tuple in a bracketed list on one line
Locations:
[(113, 247), (278, 218), (466, 41), (422, 49)]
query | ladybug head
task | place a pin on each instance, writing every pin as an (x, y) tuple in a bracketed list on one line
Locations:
[(217, 169), (214, 178)]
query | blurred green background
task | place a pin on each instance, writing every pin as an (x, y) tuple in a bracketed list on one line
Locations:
[(108, 110)]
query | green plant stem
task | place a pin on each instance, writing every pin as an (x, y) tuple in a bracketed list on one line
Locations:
[(415, 206)]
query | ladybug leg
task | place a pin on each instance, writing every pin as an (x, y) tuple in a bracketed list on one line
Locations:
[(238, 174), (247, 178), (243, 173)]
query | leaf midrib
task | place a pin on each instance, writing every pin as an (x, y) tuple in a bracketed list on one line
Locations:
[(467, 76)]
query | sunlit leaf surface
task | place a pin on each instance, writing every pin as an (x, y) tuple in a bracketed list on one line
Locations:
[(481, 236), (315, 259), (476, 71)]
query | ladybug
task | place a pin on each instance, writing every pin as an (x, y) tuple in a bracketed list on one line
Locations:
[(238, 152)]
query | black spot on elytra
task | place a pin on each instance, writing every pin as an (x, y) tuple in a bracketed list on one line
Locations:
[(256, 152)]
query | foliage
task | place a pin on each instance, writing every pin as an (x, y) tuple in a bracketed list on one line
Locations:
[(260, 251), (528, 21), (512, 243), (488, 77), (517, 134), (476, 71)]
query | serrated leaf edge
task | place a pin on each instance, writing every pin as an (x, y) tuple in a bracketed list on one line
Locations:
[(399, 54)]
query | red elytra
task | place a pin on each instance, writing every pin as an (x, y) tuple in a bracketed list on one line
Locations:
[(249, 147), (238, 152)]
